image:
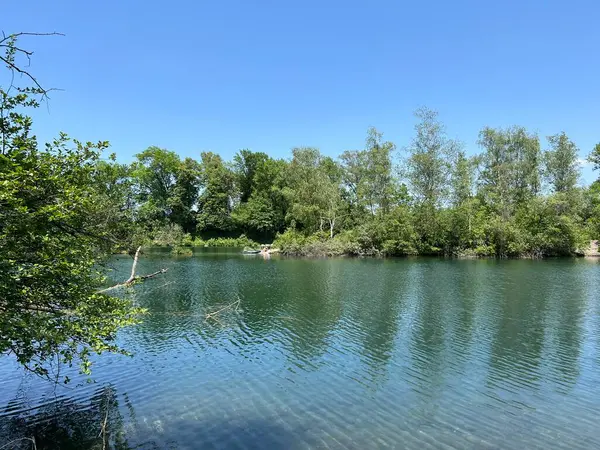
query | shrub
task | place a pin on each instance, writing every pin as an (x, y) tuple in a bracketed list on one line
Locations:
[(240, 242), (169, 235), (292, 242), (181, 251)]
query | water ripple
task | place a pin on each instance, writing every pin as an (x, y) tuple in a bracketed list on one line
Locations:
[(340, 354)]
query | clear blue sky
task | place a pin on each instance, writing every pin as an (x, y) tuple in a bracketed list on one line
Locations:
[(222, 75)]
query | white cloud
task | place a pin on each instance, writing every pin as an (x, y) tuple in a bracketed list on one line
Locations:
[(583, 162)]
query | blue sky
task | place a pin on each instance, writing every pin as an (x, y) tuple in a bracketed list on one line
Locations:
[(192, 76)]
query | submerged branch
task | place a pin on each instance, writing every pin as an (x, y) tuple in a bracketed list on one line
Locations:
[(31, 439), (213, 315)]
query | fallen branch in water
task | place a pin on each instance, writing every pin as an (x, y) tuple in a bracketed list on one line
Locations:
[(103, 430), (216, 319), (133, 278), (235, 305), (107, 402)]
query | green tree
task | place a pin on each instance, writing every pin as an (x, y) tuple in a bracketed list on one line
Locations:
[(216, 199), (353, 163), (395, 232), (378, 189), (562, 167), (112, 181), (466, 228), (184, 195), (428, 165), (594, 157), (511, 173), (428, 169), (495, 179), (465, 216), (591, 209), (54, 233), (155, 175), (167, 189), (462, 179), (367, 176), (246, 164), (547, 227), (353, 174), (264, 212), (259, 179), (527, 163), (257, 215), (312, 193)]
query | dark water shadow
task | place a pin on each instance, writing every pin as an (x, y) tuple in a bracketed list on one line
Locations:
[(64, 423), (99, 424)]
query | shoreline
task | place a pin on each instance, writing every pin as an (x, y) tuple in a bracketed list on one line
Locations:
[(308, 254)]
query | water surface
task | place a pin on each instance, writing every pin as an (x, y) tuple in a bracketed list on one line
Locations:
[(337, 353)]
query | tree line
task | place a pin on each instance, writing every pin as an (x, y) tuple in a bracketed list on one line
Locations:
[(520, 196), (64, 210)]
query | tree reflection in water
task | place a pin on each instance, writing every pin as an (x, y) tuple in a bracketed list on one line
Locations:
[(66, 424)]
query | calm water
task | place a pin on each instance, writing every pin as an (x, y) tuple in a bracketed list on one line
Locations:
[(341, 353)]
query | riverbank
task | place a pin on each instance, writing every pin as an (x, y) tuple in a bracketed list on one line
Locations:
[(353, 243), (184, 244), (293, 243)]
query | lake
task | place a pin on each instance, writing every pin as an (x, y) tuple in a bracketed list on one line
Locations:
[(335, 353)]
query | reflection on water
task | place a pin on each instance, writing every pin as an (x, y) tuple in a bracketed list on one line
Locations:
[(65, 424), (342, 353)]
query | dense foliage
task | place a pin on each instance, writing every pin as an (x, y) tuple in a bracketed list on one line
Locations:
[(62, 211), (514, 198)]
